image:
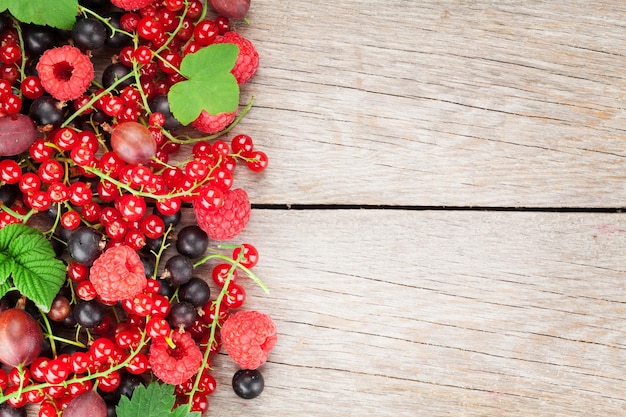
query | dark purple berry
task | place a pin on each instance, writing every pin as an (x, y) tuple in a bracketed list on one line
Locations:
[(195, 292), (192, 241), (248, 383)]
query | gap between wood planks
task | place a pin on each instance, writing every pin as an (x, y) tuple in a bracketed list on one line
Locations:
[(436, 208)]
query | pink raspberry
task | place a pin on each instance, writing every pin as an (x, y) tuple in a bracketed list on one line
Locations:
[(228, 221), (118, 274), (175, 365), (210, 124), (131, 4), (248, 59), (65, 72), (248, 337)]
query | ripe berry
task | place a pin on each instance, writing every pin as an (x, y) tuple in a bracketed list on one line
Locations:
[(88, 33), (248, 383), (192, 241), (196, 292), (85, 245), (182, 314), (178, 269), (88, 314)]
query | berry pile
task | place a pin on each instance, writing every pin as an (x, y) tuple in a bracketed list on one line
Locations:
[(100, 287)]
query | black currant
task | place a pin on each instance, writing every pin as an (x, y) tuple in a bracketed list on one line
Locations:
[(4, 22), (195, 292), (89, 33), (178, 269), (166, 289), (94, 4), (85, 245), (161, 105), (192, 241), (182, 314), (8, 194), (148, 261), (128, 383), (45, 111), (248, 383), (114, 72), (88, 314), (169, 220), (38, 39), (119, 39)]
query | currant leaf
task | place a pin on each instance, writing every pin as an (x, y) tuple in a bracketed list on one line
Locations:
[(209, 86), (154, 400), (27, 257), (60, 14)]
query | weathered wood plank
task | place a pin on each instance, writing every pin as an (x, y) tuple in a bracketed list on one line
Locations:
[(441, 103), (404, 313)]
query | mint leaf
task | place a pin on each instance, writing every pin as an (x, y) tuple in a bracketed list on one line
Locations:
[(27, 257), (154, 400), (209, 86), (60, 14)]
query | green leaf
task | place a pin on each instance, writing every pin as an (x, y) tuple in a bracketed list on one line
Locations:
[(4, 288), (58, 13), (153, 400), (209, 86), (28, 258)]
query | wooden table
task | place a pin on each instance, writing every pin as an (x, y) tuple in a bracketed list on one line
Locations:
[(440, 225)]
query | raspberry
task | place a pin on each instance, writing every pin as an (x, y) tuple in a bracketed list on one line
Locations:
[(118, 274), (209, 123), (229, 220), (65, 72), (247, 60), (175, 365), (248, 337), (131, 4)]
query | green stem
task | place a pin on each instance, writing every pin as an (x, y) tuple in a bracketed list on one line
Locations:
[(104, 20), (93, 376), (237, 263), (95, 98), (51, 337), (189, 139)]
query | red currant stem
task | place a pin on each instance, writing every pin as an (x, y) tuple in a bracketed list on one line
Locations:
[(95, 98), (142, 93), (131, 190), (172, 35), (237, 263), (172, 67), (22, 67), (104, 20), (202, 15), (22, 217), (189, 139), (170, 342), (213, 328), (78, 380), (49, 334), (162, 248)]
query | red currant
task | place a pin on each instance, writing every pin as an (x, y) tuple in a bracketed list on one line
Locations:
[(250, 256), (220, 272), (258, 162), (50, 171), (70, 220), (80, 193), (10, 171)]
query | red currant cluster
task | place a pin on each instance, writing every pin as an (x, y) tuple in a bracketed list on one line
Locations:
[(97, 177)]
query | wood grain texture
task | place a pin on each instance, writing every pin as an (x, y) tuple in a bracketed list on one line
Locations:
[(439, 103), (405, 313)]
